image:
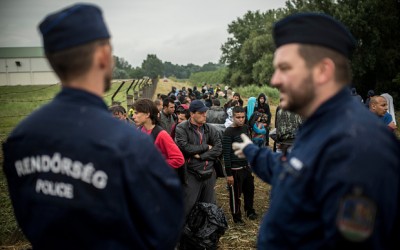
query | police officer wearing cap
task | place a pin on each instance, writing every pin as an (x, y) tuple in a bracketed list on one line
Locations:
[(338, 188), (84, 180)]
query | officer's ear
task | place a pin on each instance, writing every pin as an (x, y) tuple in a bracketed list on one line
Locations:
[(324, 71), (103, 56)]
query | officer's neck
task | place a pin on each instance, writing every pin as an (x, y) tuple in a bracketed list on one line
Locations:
[(91, 82), (322, 94)]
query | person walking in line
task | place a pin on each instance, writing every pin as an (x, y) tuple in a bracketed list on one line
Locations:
[(339, 186), (84, 179)]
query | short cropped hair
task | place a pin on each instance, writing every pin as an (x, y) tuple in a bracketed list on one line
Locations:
[(157, 102), (167, 101), (74, 62), (216, 102), (238, 109), (313, 54), (374, 100)]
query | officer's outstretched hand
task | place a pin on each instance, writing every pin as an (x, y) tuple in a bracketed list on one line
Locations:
[(239, 146)]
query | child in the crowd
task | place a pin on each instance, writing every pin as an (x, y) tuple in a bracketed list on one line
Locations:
[(258, 130)]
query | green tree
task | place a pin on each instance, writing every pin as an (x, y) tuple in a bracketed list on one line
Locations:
[(250, 42), (376, 27), (119, 74), (152, 66), (374, 24), (121, 68), (211, 77), (136, 73), (121, 63)]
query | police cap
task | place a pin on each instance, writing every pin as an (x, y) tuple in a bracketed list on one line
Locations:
[(314, 28), (76, 25)]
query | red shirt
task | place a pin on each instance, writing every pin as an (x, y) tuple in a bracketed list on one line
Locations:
[(168, 148)]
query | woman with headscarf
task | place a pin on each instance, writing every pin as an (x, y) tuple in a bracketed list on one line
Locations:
[(251, 103)]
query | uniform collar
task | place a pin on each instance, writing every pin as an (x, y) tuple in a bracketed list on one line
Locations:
[(332, 103), (80, 97), (338, 101)]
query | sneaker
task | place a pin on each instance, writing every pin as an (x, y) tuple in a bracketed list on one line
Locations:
[(239, 222), (252, 216)]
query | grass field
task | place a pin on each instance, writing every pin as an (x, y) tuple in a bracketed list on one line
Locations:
[(19, 101)]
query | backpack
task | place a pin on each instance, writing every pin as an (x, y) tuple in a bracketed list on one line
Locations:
[(219, 164), (154, 133)]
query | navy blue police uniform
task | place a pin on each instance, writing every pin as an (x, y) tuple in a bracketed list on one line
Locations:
[(339, 187), (334, 162), (79, 178)]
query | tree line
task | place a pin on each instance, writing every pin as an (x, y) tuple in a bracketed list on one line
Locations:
[(248, 52), (153, 67), (246, 56)]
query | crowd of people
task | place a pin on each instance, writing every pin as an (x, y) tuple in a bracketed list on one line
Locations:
[(202, 135), (98, 177)]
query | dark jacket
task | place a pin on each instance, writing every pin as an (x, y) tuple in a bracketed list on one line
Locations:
[(100, 182), (216, 115), (167, 122), (332, 169), (187, 136), (263, 107)]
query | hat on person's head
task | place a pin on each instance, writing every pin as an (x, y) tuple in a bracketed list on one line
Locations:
[(73, 26), (197, 106), (314, 28)]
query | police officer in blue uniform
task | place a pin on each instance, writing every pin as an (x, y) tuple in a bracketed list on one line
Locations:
[(78, 178), (338, 188)]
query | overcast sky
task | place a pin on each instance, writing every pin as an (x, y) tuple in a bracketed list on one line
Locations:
[(178, 31)]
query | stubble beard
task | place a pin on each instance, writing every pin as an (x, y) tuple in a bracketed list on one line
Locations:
[(300, 98)]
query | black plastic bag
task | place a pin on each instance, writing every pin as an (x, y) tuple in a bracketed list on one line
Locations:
[(205, 224)]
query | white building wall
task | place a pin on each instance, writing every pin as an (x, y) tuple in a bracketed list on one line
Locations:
[(3, 78), (19, 79), (44, 78), (40, 64), (3, 68), (31, 71)]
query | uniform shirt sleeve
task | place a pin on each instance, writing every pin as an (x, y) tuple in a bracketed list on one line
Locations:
[(263, 161), (169, 149)]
